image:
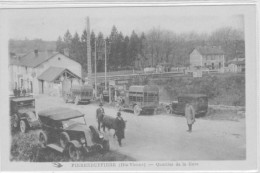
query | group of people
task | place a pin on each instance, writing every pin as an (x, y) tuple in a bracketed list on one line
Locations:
[(19, 92), (119, 123)]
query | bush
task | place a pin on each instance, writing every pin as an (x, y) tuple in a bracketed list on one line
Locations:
[(220, 89)]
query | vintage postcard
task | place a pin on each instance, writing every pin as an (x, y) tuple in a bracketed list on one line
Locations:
[(129, 87)]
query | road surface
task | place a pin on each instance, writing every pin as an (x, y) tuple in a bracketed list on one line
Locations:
[(164, 137)]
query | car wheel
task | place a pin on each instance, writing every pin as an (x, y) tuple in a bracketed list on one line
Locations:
[(106, 146), (43, 139), (15, 121), (64, 139), (137, 110), (23, 126), (74, 152)]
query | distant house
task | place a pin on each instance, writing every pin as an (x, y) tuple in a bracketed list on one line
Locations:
[(211, 57), (41, 72), (236, 65)]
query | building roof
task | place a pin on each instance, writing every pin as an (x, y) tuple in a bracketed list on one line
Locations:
[(32, 59), (52, 73), (60, 113), (20, 99), (237, 59), (143, 88), (241, 62), (210, 50), (193, 95)]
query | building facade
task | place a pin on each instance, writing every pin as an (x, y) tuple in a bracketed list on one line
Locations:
[(25, 71), (237, 65), (209, 57)]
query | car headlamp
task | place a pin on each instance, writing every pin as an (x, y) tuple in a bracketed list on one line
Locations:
[(82, 140), (101, 136)]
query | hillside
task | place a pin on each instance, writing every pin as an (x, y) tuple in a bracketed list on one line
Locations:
[(25, 46), (223, 89)]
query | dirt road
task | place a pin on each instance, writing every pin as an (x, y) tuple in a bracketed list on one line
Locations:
[(164, 137)]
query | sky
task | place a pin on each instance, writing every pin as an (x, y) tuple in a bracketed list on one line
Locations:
[(48, 24)]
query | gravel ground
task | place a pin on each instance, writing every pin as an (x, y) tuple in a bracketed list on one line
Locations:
[(164, 137)]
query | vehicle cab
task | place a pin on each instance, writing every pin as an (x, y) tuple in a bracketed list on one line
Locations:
[(198, 101), (23, 114), (66, 130)]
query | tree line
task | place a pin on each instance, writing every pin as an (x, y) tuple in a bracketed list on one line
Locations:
[(147, 49)]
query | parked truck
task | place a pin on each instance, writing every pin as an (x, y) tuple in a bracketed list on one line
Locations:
[(78, 94), (140, 99)]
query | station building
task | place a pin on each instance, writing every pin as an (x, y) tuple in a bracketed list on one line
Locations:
[(43, 72)]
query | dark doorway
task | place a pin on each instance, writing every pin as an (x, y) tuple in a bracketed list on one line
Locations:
[(212, 66)]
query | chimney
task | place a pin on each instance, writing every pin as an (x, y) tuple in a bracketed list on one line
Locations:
[(36, 52)]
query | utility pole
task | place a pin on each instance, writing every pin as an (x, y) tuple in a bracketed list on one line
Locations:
[(89, 53), (95, 68), (105, 65)]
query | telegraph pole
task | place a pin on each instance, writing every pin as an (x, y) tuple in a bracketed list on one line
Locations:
[(89, 53), (105, 65), (96, 68)]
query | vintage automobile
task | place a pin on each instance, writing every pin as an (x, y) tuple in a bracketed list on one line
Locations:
[(199, 102), (23, 114), (66, 131), (140, 99), (78, 94)]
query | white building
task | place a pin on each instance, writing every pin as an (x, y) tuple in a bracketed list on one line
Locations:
[(236, 65), (41, 72), (210, 57)]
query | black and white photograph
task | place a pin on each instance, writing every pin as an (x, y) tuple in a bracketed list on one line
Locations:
[(153, 87)]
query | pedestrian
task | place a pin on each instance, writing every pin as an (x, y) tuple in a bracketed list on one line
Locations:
[(23, 91), (100, 115), (190, 116), (120, 127), (15, 92), (101, 98), (18, 92)]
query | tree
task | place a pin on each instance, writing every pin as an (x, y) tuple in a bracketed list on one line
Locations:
[(133, 48), (67, 42), (230, 40), (60, 45), (75, 48), (83, 51)]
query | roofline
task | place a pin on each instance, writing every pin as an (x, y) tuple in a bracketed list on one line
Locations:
[(62, 119), (70, 118), (47, 59)]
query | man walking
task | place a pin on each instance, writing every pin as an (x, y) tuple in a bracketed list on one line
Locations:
[(100, 115), (190, 116), (120, 127)]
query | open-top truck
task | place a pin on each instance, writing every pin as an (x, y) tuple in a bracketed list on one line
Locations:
[(78, 94), (140, 99)]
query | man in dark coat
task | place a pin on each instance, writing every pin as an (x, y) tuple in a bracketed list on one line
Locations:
[(100, 115), (120, 128)]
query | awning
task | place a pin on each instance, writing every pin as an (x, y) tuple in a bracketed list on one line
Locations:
[(53, 73)]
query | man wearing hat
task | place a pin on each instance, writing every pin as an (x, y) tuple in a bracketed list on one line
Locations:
[(100, 114), (120, 128), (190, 115)]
